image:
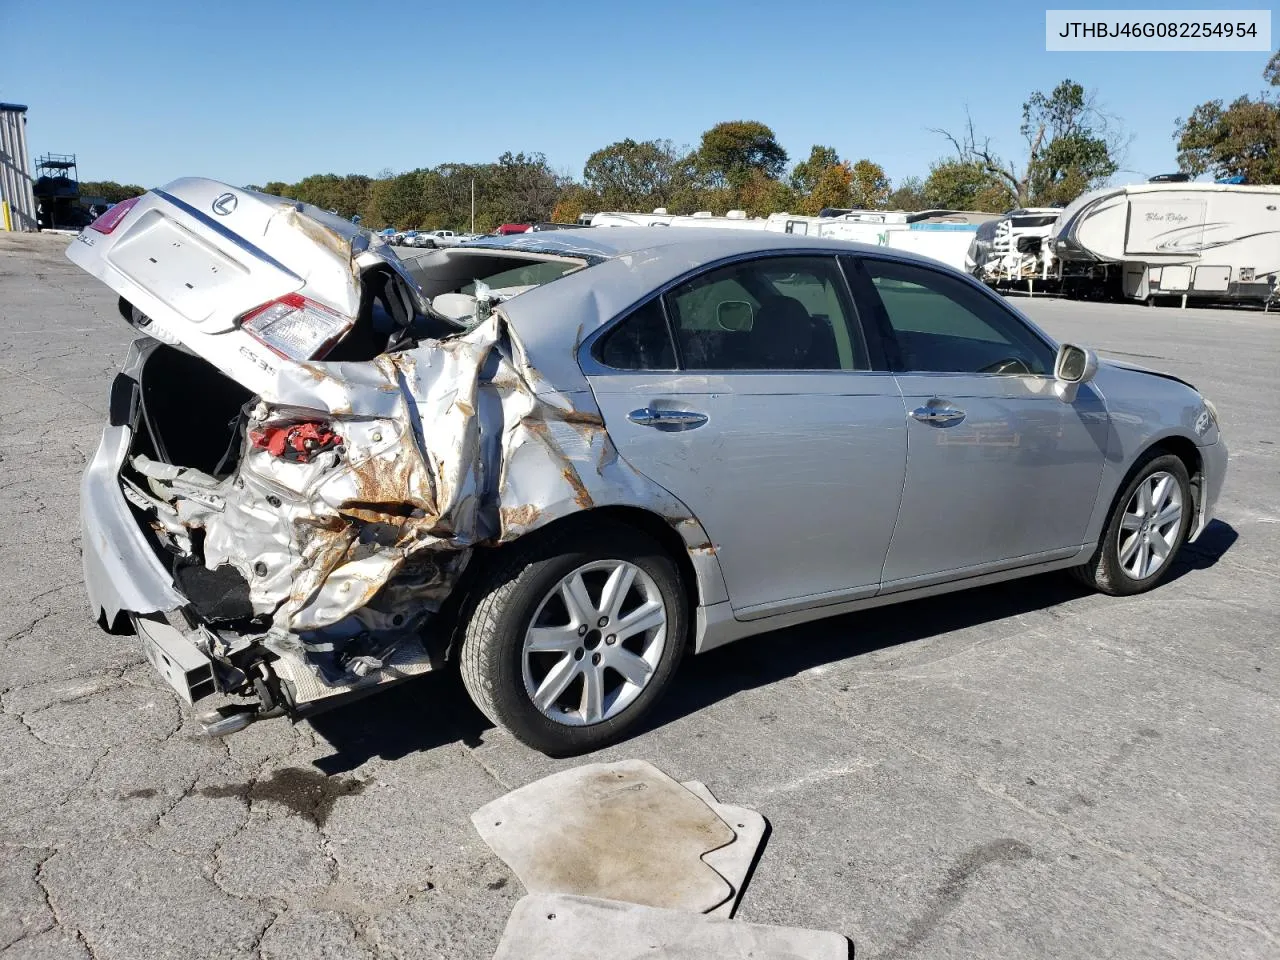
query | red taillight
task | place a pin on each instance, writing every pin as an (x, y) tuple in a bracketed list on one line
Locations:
[(295, 327), (111, 219)]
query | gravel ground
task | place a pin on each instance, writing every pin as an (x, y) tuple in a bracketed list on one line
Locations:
[(1020, 771)]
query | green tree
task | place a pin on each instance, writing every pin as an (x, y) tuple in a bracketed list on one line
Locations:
[(832, 189), (966, 185), (573, 202), (1070, 148), (760, 195), (808, 172), (869, 189), (908, 195), (1072, 145), (109, 190), (278, 188), (519, 188), (345, 195), (631, 175), (730, 151), (1241, 140), (395, 201)]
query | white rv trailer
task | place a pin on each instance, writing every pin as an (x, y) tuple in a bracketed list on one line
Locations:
[(1210, 241), (659, 218), (1011, 248), (734, 220), (945, 235), (948, 242)]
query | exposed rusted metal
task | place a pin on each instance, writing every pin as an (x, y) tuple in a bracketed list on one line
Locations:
[(580, 494), (444, 446), (525, 515)]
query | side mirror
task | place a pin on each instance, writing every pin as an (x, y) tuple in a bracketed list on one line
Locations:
[(1074, 366)]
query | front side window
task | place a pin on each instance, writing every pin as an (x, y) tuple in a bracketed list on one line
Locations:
[(942, 324), (776, 313)]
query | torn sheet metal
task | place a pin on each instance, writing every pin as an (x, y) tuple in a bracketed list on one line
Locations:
[(351, 535), (426, 454), (621, 831), (560, 927), (442, 447)]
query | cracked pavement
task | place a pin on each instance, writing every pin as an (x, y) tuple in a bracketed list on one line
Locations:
[(1022, 770)]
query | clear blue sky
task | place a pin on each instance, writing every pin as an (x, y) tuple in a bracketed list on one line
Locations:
[(144, 91)]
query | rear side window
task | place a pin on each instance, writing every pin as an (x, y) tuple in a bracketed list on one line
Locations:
[(640, 342), (774, 313)]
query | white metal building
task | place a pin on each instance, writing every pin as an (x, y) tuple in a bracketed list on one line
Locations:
[(17, 202)]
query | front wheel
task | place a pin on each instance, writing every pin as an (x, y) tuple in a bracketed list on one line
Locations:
[(1147, 527), (575, 637)]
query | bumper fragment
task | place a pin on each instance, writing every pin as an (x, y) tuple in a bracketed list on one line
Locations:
[(184, 666)]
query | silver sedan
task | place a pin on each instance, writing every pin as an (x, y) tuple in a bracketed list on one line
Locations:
[(563, 460)]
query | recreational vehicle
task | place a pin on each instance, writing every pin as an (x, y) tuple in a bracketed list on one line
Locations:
[(944, 235), (1011, 248), (734, 219), (1206, 241)]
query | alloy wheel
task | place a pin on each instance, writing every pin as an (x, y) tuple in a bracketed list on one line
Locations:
[(1150, 525), (594, 643)]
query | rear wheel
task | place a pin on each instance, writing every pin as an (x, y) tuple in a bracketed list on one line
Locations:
[(575, 637), (1147, 527)]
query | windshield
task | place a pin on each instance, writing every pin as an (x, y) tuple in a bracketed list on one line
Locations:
[(525, 275)]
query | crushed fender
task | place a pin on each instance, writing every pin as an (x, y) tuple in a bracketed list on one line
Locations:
[(364, 489)]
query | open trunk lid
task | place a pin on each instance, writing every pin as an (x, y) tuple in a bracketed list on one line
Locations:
[(199, 257)]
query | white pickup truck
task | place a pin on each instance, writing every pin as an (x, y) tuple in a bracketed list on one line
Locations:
[(438, 238)]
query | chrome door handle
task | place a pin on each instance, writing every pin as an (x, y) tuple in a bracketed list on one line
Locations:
[(941, 416), (684, 419)]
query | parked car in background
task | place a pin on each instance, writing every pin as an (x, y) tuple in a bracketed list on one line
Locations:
[(509, 228), (538, 227), (574, 458), (437, 238)]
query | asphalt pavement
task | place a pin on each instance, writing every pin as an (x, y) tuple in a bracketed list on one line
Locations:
[(1024, 770)]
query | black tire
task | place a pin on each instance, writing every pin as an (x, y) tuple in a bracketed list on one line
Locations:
[(1104, 572), (507, 596)]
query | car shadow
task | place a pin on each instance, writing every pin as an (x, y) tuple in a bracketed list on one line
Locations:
[(435, 710), (420, 714), (769, 657), (1214, 541)]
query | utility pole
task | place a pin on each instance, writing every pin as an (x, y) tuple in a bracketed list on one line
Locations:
[(473, 204)]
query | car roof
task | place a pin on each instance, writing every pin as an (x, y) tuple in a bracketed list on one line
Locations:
[(628, 264), (605, 243)]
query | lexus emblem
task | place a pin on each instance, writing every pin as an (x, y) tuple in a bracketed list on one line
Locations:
[(224, 204)]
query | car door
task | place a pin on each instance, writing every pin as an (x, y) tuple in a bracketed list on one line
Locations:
[(748, 393), (1000, 471)]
